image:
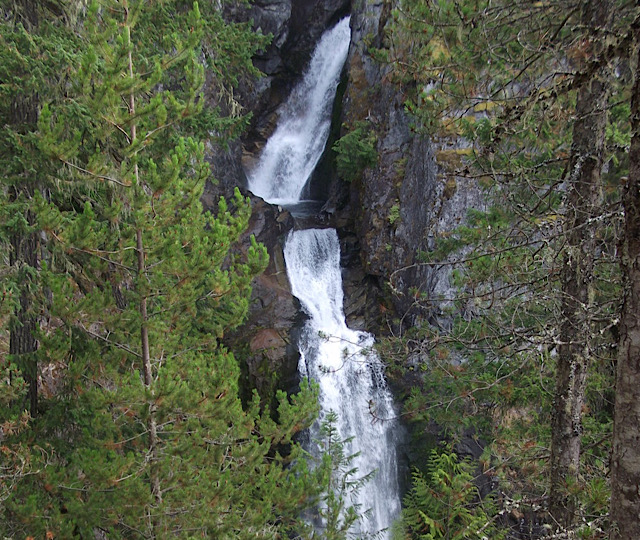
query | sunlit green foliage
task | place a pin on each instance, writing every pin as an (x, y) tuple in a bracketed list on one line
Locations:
[(123, 447)]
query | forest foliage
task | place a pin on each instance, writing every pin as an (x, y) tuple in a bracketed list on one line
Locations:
[(523, 352), (120, 407)]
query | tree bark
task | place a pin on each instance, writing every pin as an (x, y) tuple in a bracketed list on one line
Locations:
[(25, 245), (583, 195), (147, 372), (22, 337), (625, 458)]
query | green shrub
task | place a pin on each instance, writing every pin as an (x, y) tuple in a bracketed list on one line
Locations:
[(355, 152), (445, 504), (394, 213)]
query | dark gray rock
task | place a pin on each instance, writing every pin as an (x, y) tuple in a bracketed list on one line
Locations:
[(387, 208), (296, 26), (226, 172), (309, 20), (397, 208)]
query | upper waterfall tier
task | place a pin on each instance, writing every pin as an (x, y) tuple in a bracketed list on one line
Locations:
[(294, 149)]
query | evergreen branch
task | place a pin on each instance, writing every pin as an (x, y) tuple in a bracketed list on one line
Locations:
[(86, 490), (202, 347), (512, 288), (95, 252), (535, 56), (113, 343), (620, 48), (166, 62), (178, 304), (447, 403), (465, 260), (99, 176), (118, 127), (153, 131), (140, 533)]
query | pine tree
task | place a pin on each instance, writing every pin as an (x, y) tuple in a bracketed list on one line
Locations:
[(148, 437), (337, 511), (35, 47)]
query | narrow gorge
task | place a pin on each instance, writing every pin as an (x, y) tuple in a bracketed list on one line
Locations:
[(300, 109), (383, 219), (342, 361)]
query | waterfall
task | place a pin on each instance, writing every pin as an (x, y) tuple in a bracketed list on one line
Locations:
[(342, 361), (294, 149), (348, 371)]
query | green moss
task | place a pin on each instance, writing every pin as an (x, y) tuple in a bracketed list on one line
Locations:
[(450, 160), (450, 188)]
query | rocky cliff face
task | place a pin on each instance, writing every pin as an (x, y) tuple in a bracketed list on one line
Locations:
[(270, 357), (398, 207)]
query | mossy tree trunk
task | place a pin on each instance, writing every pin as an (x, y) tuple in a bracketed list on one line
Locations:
[(625, 459), (584, 174), (24, 241)]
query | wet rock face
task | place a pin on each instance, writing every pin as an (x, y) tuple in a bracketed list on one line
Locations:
[(309, 20), (397, 208), (296, 26)]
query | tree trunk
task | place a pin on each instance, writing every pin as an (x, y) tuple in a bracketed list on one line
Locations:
[(22, 338), (577, 281), (625, 458), (25, 245), (147, 372)]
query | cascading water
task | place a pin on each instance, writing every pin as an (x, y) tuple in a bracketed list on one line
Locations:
[(294, 149), (342, 361), (348, 371)]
